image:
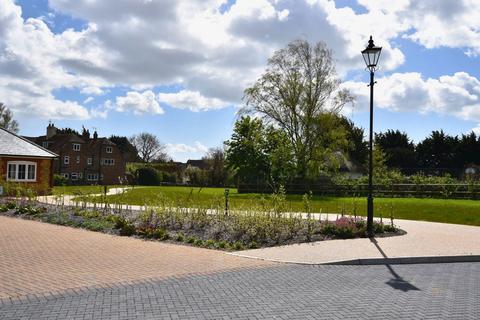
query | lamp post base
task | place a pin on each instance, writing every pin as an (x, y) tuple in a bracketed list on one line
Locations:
[(370, 232)]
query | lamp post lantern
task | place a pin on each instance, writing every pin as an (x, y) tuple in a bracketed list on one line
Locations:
[(371, 54)]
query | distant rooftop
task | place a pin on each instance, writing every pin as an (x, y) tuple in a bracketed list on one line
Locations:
[(13, 145)]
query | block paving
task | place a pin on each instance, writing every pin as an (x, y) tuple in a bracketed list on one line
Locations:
[(53, 272)]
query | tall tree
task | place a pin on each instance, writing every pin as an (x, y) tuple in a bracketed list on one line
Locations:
[(468, 150), (6, 119), (299, 85), (130, 152), (399, 150), (149, 147), (244, 151), (217, 170), (279, 153), (436, 153), (357, 146)]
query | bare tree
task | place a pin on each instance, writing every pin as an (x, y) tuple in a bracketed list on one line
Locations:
[(295, 93), (149, 147), (218, 172), (6, 119)]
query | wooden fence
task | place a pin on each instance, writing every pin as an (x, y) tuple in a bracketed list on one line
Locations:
[(450, 191)]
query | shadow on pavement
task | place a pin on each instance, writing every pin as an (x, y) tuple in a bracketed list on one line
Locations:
[(396, 282)]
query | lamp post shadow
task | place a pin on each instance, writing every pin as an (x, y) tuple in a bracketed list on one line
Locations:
[(397, 282)]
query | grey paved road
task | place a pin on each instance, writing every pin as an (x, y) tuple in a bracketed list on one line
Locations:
[(436, 291)]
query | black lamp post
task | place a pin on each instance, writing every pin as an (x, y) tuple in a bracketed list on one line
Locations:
[(371, 54)]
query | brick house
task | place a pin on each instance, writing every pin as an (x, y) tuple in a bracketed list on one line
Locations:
[(84, 159), (23, 162)]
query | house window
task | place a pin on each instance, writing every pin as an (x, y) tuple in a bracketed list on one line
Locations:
[(45, 144), (78, 159), (66, 160), (92, 176), (109, 149), (76, 147), (74, 176), (21, 171), (89, 161), (108, 162), (65, 175)]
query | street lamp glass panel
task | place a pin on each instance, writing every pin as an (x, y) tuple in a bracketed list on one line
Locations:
[(371, 54)]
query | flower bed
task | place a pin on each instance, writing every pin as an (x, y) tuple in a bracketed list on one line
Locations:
[(202, 227)]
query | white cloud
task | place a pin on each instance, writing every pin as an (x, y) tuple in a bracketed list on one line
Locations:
[(456, 95), (88, 100), (214, 55), (192, 100), (92, 90), (184, 148), (139, 103)]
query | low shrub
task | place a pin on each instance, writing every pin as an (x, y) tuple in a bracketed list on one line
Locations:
[(59, 180), (148, 176), (180, 237), (126, 228), (210, 243)]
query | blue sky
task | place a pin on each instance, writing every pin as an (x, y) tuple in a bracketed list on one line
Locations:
[(178, 69)]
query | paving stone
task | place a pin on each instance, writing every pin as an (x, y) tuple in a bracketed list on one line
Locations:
[(278, 292)]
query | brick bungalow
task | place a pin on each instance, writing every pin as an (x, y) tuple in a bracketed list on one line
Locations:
[(25, 163)]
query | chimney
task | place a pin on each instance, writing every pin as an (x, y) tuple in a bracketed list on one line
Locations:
[(95, 135), (51, 130), (85, 133)]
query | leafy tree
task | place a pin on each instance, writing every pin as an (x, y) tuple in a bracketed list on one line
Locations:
[(357, 146), (279, 153), (126, 147), (468, 150), (67, 131), (149, 147), (436, 153), (298, 86), (399, 150), (6, 119), (197, 176), (244, 150)]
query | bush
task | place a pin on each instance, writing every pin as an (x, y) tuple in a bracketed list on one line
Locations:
[(180, 237), (59, 180), (210, 243), (148, 176), (126, 227)]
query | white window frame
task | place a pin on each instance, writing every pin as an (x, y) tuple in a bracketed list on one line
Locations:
[(92, 176), (108, 149), (78, 159), (45, 144), (76, 146), (66, 160), (65, 175), (74, 176), (27, 165), (89, 161)]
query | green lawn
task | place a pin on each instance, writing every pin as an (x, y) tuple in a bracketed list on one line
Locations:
[(437, 210)]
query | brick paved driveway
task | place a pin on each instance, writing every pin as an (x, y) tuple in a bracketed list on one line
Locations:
[(43, 259), (200, 284)]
